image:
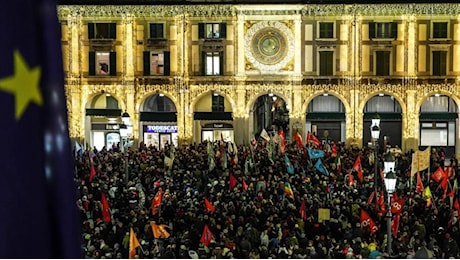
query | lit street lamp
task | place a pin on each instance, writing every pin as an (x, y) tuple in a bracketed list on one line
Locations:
[(375, 133), (390, 186), (126, 129)]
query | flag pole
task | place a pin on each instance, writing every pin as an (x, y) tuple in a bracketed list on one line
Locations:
[(142, 250)]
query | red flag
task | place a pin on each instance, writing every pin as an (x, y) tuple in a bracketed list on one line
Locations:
[(443, 184), (311, 138), (283, 140), (156, 202), (334, 150), (233, 181), (397, 204), (439, 175), (357, 167), (371, 197), (245, 186), (92, 173), (209, 205), (302, 211), (420, 187), (206, 237), (366, 221), (105, 208), (350, 179), (395, 224), (298, 139)]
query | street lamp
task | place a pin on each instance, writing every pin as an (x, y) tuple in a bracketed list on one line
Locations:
[(375, 133), (125, 133), (390, 186)]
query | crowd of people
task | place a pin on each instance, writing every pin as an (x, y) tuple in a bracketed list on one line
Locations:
[(242, 195)]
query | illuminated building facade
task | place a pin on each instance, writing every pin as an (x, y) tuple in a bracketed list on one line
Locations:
[(186, 73)]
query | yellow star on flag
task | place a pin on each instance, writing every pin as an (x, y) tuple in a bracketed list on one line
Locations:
[(24, 84)]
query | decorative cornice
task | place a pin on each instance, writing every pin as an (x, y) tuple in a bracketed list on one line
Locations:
[(160, 11), (223, 10), (325, 10)]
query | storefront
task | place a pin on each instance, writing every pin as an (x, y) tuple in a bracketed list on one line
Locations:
[(216, 131), (107, 135), (160, 135)]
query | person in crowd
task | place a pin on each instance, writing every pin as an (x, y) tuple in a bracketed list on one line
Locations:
[(255, 206)]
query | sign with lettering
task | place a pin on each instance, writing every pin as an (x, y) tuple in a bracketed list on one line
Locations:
[(161, 128)]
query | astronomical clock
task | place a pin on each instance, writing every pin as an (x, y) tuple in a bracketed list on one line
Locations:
[(269, 46)]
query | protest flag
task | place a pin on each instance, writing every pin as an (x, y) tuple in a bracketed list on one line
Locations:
[(38, 193)]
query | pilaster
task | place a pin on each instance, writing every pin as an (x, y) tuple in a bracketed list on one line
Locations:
[(411, 131), (74, 108), (128, 43), (240, 115), (354, 119)]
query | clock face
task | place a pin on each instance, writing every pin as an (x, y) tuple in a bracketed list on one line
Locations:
[(269, 45)]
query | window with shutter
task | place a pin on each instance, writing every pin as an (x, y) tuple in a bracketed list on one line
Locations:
[(440, 30), (102, 31), (382, 63), (439, 63), (383, 30), (326, 30), (326, 63), (156, 30)]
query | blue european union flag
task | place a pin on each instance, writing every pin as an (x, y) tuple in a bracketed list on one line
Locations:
[(39, 217)]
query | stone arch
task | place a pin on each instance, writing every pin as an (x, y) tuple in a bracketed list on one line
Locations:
[(307, 101), (253, 99), (95, 93), (144, 98), (370, 95), (423, 98), (196, 99)]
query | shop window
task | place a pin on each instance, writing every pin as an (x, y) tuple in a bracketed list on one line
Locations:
[(434, 134)]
